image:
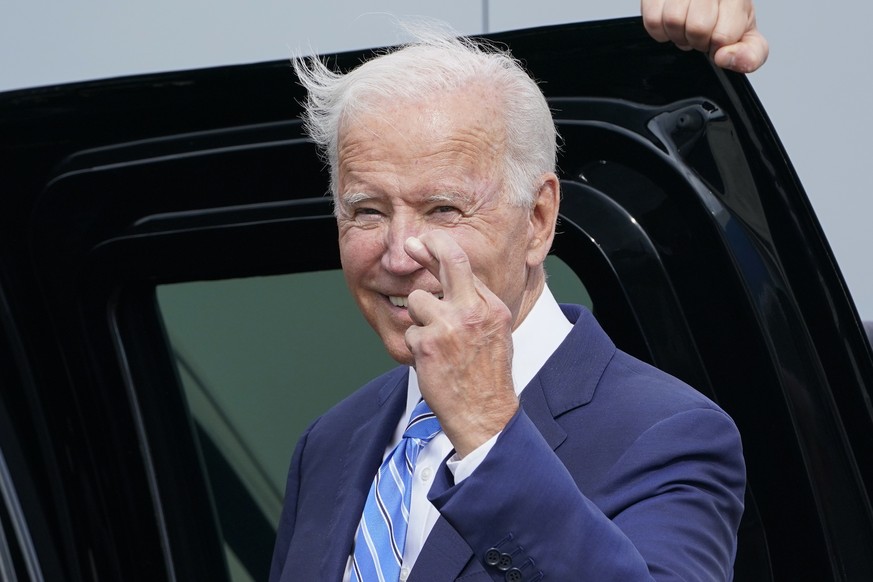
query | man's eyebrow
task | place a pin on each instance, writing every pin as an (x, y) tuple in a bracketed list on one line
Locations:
[(458, 198), (449, 197), (355, 198)]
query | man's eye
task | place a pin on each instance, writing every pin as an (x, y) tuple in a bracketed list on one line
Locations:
[(445, 209), (366, 213)]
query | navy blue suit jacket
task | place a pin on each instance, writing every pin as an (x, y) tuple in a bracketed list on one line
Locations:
[(611, 470)]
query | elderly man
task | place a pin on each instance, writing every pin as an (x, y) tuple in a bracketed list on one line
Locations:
[(515, 442)]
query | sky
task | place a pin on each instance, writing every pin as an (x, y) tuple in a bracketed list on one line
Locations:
[(816, 86)]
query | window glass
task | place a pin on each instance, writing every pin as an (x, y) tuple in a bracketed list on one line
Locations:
[(259, 359)]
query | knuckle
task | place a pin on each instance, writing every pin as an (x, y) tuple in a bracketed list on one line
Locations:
[(652, 22), (426, 347), (674, 19), (457, 257), (420, 343), (411, 338), (698, 29)]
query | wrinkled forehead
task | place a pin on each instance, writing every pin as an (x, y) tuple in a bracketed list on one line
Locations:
[(442, 143)]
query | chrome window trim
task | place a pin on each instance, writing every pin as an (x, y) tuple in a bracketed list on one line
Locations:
[(22, 533)]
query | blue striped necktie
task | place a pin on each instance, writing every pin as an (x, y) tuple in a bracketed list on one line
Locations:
[(381, 534)]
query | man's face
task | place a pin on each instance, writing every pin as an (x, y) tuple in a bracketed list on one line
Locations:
[(408, 168)]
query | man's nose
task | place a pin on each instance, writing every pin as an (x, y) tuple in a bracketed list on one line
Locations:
[(394, 257)]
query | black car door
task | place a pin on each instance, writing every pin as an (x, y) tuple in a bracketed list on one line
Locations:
[(171, 301)]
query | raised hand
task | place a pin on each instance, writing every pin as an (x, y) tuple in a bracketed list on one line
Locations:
[(461, 344), (724, 29)]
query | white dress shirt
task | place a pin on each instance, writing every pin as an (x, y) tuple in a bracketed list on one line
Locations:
[(534, 341)]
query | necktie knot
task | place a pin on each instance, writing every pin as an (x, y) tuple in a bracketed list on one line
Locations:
[(423, 424)]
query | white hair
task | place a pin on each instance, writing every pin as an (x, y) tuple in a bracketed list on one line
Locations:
[(435, 62)]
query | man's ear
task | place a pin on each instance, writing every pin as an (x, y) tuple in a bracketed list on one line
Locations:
[(543, 216)]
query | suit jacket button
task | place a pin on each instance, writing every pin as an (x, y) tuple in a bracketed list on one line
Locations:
[(492, 557), (504, 563), (513, 575)]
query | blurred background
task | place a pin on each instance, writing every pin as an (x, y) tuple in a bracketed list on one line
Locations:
[(814, 86)]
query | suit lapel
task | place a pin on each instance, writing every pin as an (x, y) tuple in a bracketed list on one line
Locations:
[(569, 377), (533, 401), (361, 460)]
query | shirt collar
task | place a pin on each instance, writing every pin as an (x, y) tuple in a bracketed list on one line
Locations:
[(537, 338)]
